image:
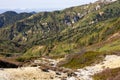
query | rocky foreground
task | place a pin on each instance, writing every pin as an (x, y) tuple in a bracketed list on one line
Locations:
[(26, 73), (41, 72)]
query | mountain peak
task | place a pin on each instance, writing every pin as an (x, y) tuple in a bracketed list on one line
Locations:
[(10, 12)]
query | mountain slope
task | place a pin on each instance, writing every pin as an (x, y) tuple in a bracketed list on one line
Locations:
[(67, 31), (10, 17)]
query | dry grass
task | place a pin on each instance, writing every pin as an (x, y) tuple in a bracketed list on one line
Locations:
[(108, 74)]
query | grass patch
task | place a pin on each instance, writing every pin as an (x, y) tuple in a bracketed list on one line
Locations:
[(114, 46), (86, 59), (57, 56), (108, 74), (63, 48), (33, 52)]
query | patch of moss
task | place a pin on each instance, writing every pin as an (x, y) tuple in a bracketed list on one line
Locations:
[(86, 59)]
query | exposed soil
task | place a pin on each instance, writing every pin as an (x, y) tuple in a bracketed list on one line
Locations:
[(4, 63)]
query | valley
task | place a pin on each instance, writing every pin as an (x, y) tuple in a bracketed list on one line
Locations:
[(77, 43)]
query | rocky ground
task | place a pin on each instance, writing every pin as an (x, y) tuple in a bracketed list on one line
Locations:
[(110, 61), (43, 72), (26, 73)]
